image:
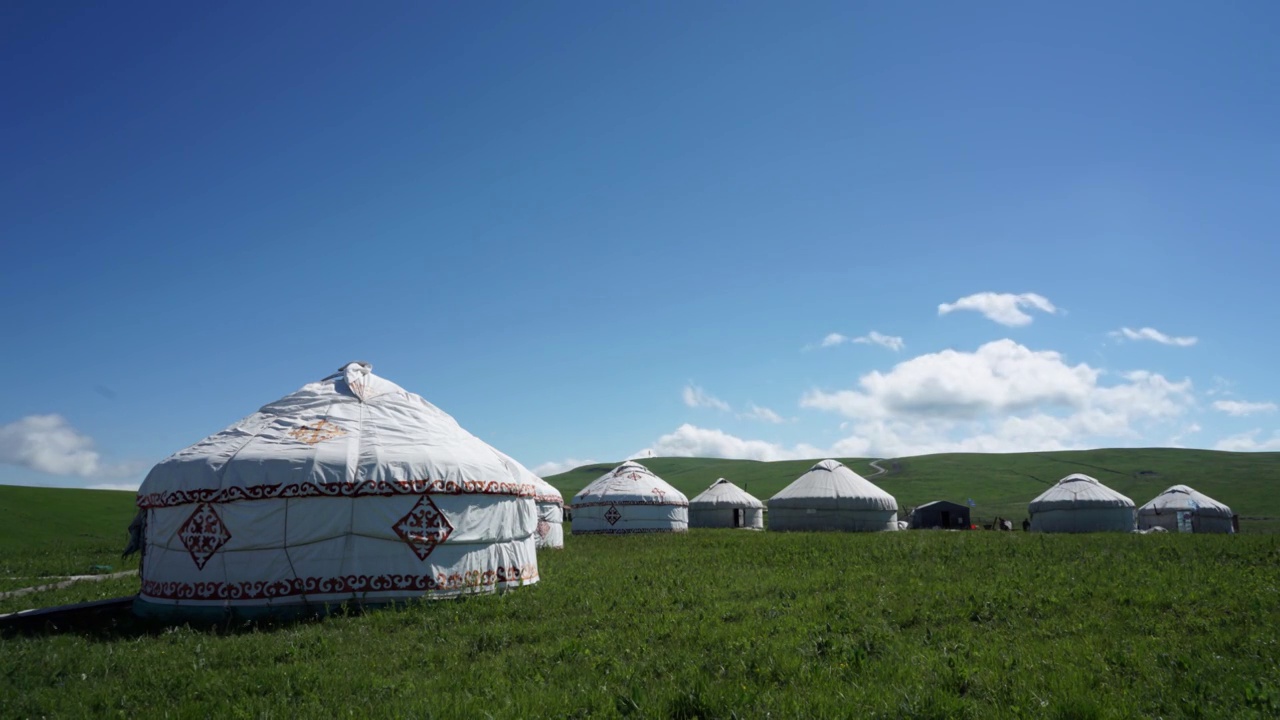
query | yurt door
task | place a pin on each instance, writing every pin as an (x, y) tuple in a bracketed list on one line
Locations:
[(946, 518), (737, 517)]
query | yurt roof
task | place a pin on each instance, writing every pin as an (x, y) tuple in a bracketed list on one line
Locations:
[(1078, 491), (1182, 498), (724, 494), (351, 434), (630, 483), (831, 485)]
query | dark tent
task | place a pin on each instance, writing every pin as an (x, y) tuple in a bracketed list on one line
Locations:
[(940, 514)]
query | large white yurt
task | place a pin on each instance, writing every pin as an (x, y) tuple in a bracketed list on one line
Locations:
[(1079, 503), (830, 496), (725, 505), (629, 499), (1205, 514), (351, 489)]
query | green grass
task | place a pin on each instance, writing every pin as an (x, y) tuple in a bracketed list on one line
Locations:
[(51, 531), (730, 623), (1003, 484)]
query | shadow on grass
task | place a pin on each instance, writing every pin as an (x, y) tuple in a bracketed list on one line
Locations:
[(114, 620)]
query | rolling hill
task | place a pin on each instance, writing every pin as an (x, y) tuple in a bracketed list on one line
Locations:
[(1002, 484)]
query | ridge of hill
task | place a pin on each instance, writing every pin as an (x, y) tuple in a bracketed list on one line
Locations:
[(999, 483)]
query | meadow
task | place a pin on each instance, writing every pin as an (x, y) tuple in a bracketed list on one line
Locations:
[(711, 623)]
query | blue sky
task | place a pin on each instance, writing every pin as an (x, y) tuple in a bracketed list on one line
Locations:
[(587, 230)]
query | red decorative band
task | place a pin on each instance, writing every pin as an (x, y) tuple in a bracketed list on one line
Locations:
[(366, 488), (607, 503), (345, 584), (549, 499), (629, 532)]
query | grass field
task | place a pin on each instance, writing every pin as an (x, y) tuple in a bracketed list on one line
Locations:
[(737, 624), (721, 623)]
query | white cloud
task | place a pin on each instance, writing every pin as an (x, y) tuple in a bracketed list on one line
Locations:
[(49, 444), (834, 339), (1153, 335), (553, 467), (1003, 397), (888, 341), (1176, 440), (691, 441), (1248, 442), (763, 414), (696, 397), (131, 487), (1004, 308), (872, 338), (1240, 408)]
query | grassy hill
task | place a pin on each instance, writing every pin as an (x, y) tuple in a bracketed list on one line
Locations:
[(1002, 484), (55, 531)]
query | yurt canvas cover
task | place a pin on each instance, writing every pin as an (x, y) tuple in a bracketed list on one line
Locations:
[(1079, 503), (1207, 515), (629, 499), (348, 490), (830, 496), (725, 505)]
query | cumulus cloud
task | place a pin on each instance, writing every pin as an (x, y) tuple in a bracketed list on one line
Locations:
[(1153, 335), (1240, 408), (696, 397), (1249, 442), (555, 467), (49, 444), (872, 338), (1004, 308), (1003, 397), (692, 441), (763, 414)]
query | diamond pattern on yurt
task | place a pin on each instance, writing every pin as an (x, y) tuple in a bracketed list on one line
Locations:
[(424, 527), (203, 534)]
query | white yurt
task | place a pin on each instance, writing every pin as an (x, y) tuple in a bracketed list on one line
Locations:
[(725, 505), (550, 532), (1205, 514), (351, 489), (830, 496), (1079, 503), (629, 499)]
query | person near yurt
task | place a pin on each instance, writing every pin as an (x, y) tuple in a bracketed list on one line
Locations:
[(350, 490), (629, 499), (725, 505), (830, 496), (1204, 514), (1079, 503)]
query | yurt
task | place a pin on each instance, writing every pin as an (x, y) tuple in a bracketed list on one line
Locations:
[(629, 499), (350, 490), (550, 532), (1202, 513), (830, 496), (725, 505), (1079, 503)]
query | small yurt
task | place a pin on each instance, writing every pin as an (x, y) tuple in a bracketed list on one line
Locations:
[(1079, 503), (550, 532), (351, 489), (1204, 514), (629, 499), (830, 496), (725, 505)]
